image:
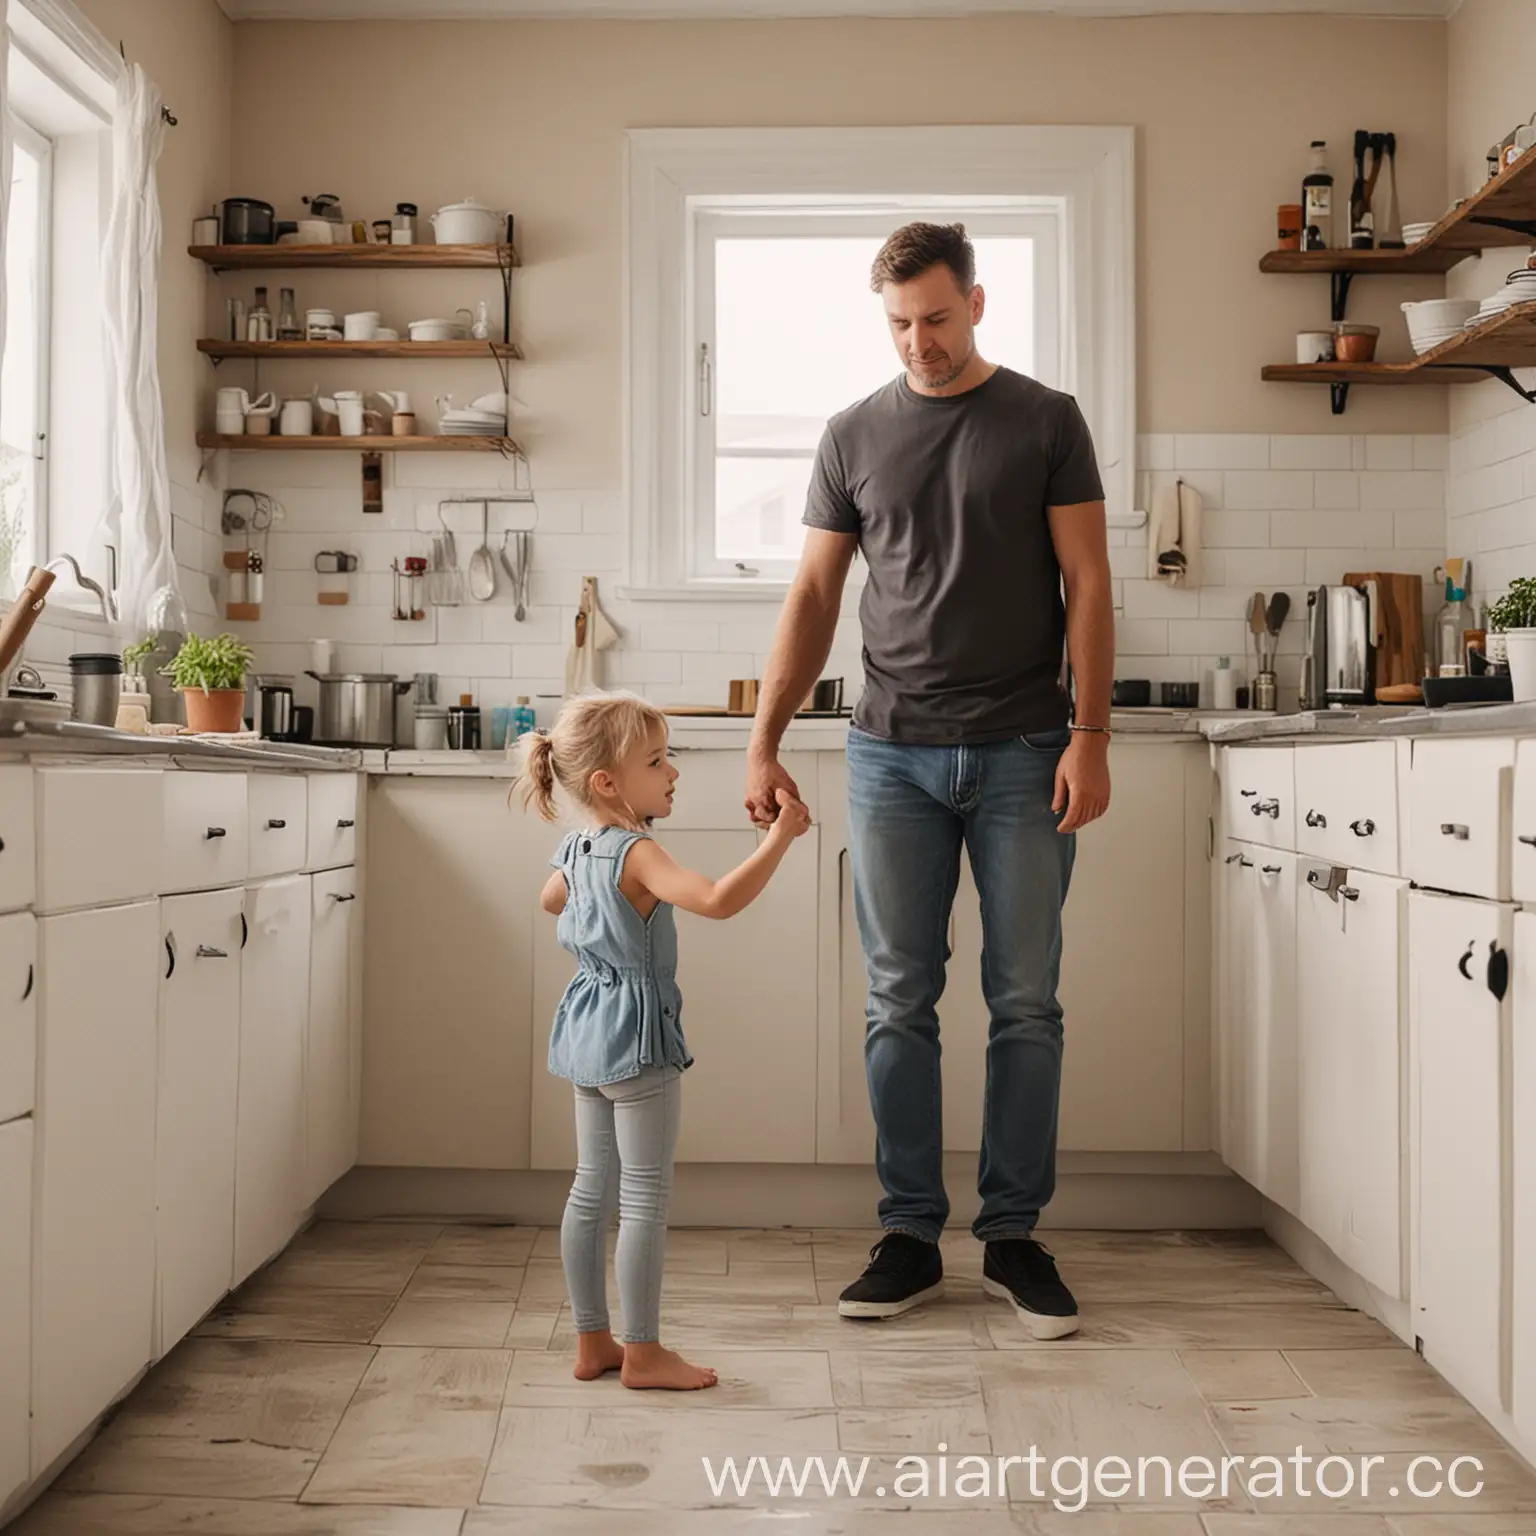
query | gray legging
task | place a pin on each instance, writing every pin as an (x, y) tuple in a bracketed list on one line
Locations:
[(626, 1134)]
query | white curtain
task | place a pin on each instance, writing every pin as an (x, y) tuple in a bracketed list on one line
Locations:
[(140, 509), (5, 160)]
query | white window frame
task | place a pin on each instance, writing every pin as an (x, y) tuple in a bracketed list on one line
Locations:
[(674, 175), (1039, 220), (40, 147)]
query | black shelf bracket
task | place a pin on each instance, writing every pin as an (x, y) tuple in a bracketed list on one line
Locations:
[(1339, 286), (1340, 395), (1502, 372), (1525, 227)]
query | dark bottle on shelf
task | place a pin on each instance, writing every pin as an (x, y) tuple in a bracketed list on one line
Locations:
[(1317, 201)]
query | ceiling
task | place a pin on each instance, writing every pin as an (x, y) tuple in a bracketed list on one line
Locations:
[(487, 10)]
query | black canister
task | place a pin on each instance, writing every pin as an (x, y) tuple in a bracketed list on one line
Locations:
[(463, 728), (276, 720), (246, 221)]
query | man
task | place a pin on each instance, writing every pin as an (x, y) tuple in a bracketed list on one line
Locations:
[(974, 496)]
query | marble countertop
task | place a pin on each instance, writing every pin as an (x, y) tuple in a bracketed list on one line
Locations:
[(1375, 724), (70, 738)]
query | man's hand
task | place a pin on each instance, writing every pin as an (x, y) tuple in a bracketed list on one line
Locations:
[(765, 778), (1082, 780), (794, 819)]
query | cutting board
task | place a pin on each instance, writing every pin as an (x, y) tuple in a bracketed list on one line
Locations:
[(1399, 638)]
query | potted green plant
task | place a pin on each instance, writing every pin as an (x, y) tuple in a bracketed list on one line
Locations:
[(210, 675), (1514, 617)]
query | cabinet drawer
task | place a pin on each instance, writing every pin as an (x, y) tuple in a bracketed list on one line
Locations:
[(712, 789), (1459, 795), (207, 831), (99, 836), (18, 1014), (332, 820), (279, 823), (1258, 794), (18, 840), (1346, 805), (1522, 850)]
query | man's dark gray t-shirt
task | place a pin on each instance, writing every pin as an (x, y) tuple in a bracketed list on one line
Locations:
[(963, 621)]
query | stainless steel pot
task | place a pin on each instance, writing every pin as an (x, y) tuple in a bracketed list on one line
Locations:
[(357, 709)]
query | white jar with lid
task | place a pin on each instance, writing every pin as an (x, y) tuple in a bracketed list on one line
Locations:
[(1224, 685), (431, 728)]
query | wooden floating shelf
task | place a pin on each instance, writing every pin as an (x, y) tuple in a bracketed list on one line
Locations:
[(398, 258), (277, 350), (335, 444), (1495, 347)]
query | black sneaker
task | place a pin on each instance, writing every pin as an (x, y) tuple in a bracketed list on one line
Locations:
[(902, 1272), (1021, 1271)]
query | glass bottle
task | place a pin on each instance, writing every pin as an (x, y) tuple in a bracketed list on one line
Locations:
[(522, 718), (288, 327), (1450, 624), (258, 324), (1317, 201)]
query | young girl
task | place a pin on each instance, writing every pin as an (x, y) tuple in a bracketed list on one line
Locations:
[(618, 1032)]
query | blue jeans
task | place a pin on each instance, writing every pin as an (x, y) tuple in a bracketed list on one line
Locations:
[(910, 810)]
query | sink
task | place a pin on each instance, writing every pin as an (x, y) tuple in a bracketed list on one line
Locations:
[(17, 714)]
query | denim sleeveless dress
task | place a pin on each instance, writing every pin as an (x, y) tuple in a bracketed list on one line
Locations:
[(622, 1010)]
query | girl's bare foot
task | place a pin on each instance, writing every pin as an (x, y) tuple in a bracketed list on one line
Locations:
[(649, 1365), (597, 1353)]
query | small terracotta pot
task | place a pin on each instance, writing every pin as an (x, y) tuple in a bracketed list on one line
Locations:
[(1355, 343), (221, 710)]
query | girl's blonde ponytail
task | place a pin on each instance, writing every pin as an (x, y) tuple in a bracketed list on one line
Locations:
[(594, 732), (538, 776)]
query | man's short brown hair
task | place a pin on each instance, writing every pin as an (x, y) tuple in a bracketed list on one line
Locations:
[(914, 248)]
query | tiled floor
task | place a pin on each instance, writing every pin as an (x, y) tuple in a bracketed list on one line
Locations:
[(409, 1379)]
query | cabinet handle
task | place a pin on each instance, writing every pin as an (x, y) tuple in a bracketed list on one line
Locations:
[(344, 824), (1498, 970), (276, 824), (1234, 858), (31, 977), (1269, 869), (1530, 842), (216, 832), (1349, 893), (1363, 828), (1316, 819), (1461, 965), (1244, 861), (1247, 794), (336, 897), (170, 954), (1455, 829), (1266, 808), (2, 845), (208, 952), (245, 931)]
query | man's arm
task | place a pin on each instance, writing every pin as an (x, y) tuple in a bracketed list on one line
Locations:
[(801, 645), (1082, 780)]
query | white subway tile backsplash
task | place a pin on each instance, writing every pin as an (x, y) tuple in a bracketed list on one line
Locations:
[(1514, 432), (1336, 490), (1319, 452), (1227, 451), (1402, 490), (1267, 489), (1155, 450), (1141, 637), (1415, 530), (1389, 453), (1206, 637), (1220, 529), (1430, 451), (717, 668), (680, 637), (534, 661), (1266, 568), (1157, 600), (1127, 563), (636, 667), (1322, 530)]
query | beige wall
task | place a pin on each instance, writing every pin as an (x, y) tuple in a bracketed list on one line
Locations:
[(531, 116), (187, 48)]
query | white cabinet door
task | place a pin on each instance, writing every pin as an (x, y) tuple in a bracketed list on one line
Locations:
[(93, 1300), (332, 820), (329, 1089), (207, 831), (100, 836), (1350, 1068), (1457, 1030), (274, 1011), (1522, 854), (18, 1015), (1236, 918), (15, 1306), (197, 1107), (18, 839), (1346, 804), (1522, 1102), (1459, 799), (279, 823), (1259, 795), (749, 1013), (1270, 1155)]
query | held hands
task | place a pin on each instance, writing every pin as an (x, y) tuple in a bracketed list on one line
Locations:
[(793, 820), (765, 780), (1082, 781)]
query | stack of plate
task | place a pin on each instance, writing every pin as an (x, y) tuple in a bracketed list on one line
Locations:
[(1413, 233), (467, 422), (1434, 321), (1519, 288)]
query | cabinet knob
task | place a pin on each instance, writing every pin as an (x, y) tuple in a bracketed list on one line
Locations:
[(1530, 842), (1349, 893), (1269, 869), (1234, 858), (216, 832), (1316, 819), (208, 952), (1455, 829), (1498, 971), (1266, 808), (276, 824), (336, 896), (1363, 828), (344, 824), (1247, 794)]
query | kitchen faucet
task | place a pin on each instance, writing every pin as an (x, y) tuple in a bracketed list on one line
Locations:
[(108, 603)]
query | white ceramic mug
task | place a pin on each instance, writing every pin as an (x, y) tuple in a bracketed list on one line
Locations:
[(349, 408), (320, 319), (362, 326), (229, 407), (205, 231), (298, 418)]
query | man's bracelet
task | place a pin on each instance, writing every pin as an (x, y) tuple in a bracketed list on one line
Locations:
[(1095, 730)]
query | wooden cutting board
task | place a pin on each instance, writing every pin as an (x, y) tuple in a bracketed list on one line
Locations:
[(1399, 638)]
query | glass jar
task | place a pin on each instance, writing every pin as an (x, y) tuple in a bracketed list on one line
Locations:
[(402, 227)]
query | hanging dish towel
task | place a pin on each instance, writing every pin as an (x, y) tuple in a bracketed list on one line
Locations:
[(593, 633), (1173, 535)]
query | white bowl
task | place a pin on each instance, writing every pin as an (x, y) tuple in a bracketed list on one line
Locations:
[(315, 232), (1437, 318)]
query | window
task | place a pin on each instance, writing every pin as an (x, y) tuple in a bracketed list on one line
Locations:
[(789, 333), (24, 370), (751, 321)]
